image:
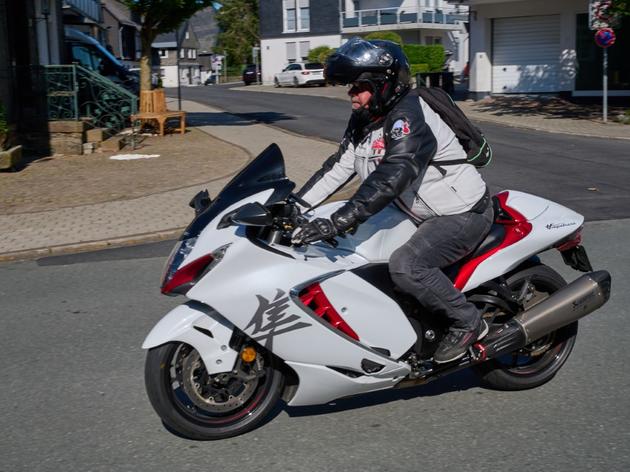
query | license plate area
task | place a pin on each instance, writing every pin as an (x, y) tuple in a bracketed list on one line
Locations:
[(577, 258)]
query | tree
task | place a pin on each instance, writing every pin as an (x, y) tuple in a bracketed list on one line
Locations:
[(620, 8), (156, 17), (238, 21), (320, 54)]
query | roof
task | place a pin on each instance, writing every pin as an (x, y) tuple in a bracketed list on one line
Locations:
[(120, 12)]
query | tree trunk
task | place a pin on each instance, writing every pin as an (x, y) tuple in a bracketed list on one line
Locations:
[(145, 60)]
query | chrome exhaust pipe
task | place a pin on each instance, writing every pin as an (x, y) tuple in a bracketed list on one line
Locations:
[(569, 304)]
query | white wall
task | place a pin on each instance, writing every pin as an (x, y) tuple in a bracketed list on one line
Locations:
[(481, 36), (274, 52)]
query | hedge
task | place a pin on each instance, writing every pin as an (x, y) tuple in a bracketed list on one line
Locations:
[(386, 35), (432, 56), (418, 68)]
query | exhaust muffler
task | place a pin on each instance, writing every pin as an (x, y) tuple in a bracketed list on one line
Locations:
[(569, 304)]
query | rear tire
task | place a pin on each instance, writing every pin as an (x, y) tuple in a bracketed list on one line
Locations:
[(196, 405), (538, 362)]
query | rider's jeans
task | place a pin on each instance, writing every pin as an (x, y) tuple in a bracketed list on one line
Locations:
[(438, 243)]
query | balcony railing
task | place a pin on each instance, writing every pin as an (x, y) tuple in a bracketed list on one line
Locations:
[(89, 8), (399, 16)]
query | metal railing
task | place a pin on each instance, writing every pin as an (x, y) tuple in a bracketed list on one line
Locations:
[(76, 93), (399, 16), (88, 8)]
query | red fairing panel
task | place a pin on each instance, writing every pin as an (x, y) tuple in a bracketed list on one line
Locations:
[(516, 228)]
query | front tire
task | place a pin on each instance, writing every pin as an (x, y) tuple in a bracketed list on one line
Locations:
[(538, 362), (196, 405)]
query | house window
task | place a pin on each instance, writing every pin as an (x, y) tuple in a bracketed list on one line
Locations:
[(296, 15), (164, 53), (162, 72), (190, 54), (291, 52), (187, 35), (194, 53), (182, 53), (305, 20), (431, 40), (305, 47)]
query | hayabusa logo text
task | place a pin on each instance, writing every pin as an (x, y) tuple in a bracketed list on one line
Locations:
[(559, 225), (271, 319)]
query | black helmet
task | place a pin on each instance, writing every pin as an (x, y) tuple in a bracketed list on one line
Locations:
[(380, 63)]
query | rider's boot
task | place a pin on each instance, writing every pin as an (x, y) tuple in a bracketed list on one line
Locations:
[(456, 342)]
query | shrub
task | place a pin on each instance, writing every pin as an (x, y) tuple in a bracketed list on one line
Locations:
[(433, 56), (320, 54), (386, 35), (418, 68)]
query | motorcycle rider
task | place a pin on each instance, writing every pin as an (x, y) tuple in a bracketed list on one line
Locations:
[(400, 148)]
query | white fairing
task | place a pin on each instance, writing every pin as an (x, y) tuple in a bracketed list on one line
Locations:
[(550, 223), (256, 287), (378, 237), (191, 323)]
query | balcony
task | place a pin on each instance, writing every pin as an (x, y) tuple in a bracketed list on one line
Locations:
[(399, 18), (90, 9)]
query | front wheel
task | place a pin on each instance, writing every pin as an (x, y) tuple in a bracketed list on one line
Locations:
[(538, 362), (197, 405)]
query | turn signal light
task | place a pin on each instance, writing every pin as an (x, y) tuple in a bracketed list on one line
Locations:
[(248, 354)]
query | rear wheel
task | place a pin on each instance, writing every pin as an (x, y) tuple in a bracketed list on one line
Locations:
[(197, 405), (539, 361)]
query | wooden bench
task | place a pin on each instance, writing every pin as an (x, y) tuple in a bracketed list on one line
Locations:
[(153, 108)]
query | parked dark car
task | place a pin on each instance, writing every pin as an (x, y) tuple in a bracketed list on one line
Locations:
[(89, 53), (249, 74)]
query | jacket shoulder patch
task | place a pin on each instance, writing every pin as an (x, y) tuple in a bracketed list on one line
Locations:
[(400, 129)]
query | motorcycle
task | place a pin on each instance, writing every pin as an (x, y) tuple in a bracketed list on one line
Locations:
[(267, 320)]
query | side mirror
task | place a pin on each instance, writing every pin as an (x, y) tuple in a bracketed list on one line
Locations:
[(253, 214)]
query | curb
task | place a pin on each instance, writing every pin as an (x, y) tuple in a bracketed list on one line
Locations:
[(534, 128), (89, 246)]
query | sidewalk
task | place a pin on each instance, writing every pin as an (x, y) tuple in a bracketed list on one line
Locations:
[(154, 216)]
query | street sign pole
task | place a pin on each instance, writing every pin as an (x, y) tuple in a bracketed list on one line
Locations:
[(605, 81)]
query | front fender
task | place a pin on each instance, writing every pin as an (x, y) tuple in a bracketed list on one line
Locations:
[(201, 327)]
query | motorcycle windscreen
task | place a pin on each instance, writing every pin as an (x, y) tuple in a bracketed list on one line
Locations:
[(265, 172)]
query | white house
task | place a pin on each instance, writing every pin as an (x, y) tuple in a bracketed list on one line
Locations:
[(289, 29), (540, 46)]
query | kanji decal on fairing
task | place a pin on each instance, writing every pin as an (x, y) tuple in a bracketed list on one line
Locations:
[(400, 129), (278, 322)]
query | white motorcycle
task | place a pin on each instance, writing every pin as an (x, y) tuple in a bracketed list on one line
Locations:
[(267, 320)]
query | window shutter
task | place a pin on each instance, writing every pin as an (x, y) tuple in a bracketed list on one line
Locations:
[(291, 53), (305, 47)]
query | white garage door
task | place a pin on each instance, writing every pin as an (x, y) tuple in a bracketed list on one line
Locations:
[(526, 54)]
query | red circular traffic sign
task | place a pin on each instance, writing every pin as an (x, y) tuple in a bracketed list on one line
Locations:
[(605, 37)]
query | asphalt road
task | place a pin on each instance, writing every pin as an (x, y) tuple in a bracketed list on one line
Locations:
[(73, 397), (589, 175)]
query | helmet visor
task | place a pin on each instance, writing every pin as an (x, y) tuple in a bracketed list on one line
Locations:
[(360, 51)]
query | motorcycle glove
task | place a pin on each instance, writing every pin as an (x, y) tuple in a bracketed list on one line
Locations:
[(316, 230)]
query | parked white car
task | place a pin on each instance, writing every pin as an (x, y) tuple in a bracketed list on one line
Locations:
[(298, 74)]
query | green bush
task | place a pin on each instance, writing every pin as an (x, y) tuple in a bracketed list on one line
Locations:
[(433, 56), (320, 54), (418, 68), (386, 35)]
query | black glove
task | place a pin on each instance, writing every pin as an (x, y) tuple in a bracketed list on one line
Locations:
[(316, 230)]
